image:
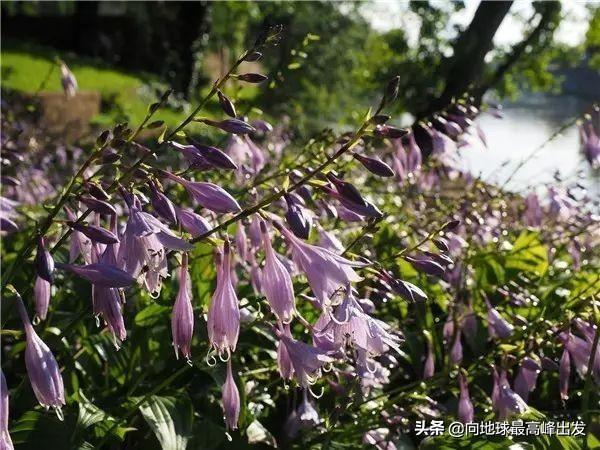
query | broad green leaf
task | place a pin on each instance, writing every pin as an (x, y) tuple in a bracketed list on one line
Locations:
[(170, 419), (151, 315), (528, 254)]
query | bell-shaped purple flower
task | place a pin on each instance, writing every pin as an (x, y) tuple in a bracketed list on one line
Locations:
[(498, 327), (351, 325), (208, 195), (580, 351), (5, 440), (44, 262), (230, 400), (100, 274), (41, 293), (107, 303), (328, 240), (224, 313), (284, 364), (306, 360), (465, 406), (276, 282), (526, 377), (182, 318), (505, 401), (326, 272), (42, 369)]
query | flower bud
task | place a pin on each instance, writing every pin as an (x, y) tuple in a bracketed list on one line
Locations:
[(44, 262), (99, 206), (230, 400), (226, 105), (161, 204), (95, 233), (375, 166), (252, 77), (234, 126)]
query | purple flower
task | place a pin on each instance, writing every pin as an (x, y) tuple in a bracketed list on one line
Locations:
[(533, 211), (80, 244), (208, 195), (328, 240), (350, 198), (404, 289), (504, 400), (465, 406), (191, 222), (305, 359), (326, 272), (456, 352), (5, 440), (42, 369), (41, 293), (426, 265), (192, 156), (407, 164), (231, 400), (95, 233), (144, 244), (526, 377), (498, 327), (284, 364), (182, 318), (580, 351), (375, 166), (100, 274), (297, 218), (350, 324), (44, 262), (276, 282), (224, 313), (217, 158), (68, 81), (564, 373), (99, 206), (162, 205), (429, 366), (235, 126), (106, 302)]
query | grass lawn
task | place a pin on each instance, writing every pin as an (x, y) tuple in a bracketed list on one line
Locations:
[(128, 95)]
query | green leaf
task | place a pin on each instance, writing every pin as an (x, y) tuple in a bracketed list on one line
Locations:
[(151, 315), (528, 254), (170, 419)]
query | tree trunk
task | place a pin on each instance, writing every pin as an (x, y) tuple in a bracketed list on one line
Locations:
[(465, 67)]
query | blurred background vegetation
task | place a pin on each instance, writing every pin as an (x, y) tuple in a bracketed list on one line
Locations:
[(333, 59)]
